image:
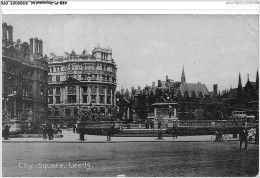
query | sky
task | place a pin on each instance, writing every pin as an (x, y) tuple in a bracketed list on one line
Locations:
[(213, 49)]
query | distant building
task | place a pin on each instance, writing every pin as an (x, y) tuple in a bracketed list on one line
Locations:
[(248, 93), (80, 81), (168, 91), (195, 90), (24, 78)]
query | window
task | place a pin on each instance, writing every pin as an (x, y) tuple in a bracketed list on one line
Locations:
[(72, 90), (57, 78), (84, 76), (75, 111), (93, 98), (57, 99), (50, 100), (67, 112), (108, 100), (101, 90), (42, 92), (85, 98), (108, 91), (58, 90), (102, 99), (49, 78), (84, 89), (50, 91), (93, 89), (72, 99)]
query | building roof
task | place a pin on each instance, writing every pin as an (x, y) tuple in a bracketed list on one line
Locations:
[(194, 87)]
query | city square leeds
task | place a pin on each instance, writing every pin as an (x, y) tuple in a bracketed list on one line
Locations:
[(80, 89)]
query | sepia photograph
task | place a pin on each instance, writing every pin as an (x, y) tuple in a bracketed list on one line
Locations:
[(130, 95)]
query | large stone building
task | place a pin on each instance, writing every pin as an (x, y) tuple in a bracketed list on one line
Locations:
[(78, 82), (24, 78)]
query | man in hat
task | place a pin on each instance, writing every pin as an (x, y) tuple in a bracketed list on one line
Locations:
[(243, 137)]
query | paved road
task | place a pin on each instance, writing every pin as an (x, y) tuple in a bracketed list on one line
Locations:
[(129, 159)]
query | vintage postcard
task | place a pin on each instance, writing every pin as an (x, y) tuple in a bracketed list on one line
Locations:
[(159, 90)]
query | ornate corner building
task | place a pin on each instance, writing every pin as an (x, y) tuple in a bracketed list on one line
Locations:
[(80, 81), (24, 78)]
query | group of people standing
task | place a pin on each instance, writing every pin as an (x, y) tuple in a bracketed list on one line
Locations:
[(47, 130)]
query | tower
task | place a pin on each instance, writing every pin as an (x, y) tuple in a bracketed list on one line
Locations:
[(239, 88), (183, 79)]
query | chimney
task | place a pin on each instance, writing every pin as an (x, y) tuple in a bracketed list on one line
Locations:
[(40, 48), (153, 85), (215, 88), (31, 45), (36, 42), (159, 83), (10, 33)]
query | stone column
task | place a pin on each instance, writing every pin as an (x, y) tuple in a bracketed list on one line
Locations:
[(81, 98), (105, 95), (98, 97), (77, 94), (89, 95), (111, 97), (61, 95), (114, 97), (54, 94), (65, 94), (175, 113)]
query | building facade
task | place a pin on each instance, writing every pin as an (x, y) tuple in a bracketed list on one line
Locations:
[(24, 78), (78, 82)]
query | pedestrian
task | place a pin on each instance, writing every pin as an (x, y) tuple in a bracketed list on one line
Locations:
[(159, 125), (219, 133), (152, 125), (52, 132), (44, 131), (6, 132), (174, 131), (243, 137), (74, 128), (49, 131), (110, 132), (81, 133)]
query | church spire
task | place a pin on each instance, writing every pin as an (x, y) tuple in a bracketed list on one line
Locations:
[(183, 79), (239, 88), (239, 80)]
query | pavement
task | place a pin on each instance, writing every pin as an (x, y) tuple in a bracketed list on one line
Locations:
[(70, 137)]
